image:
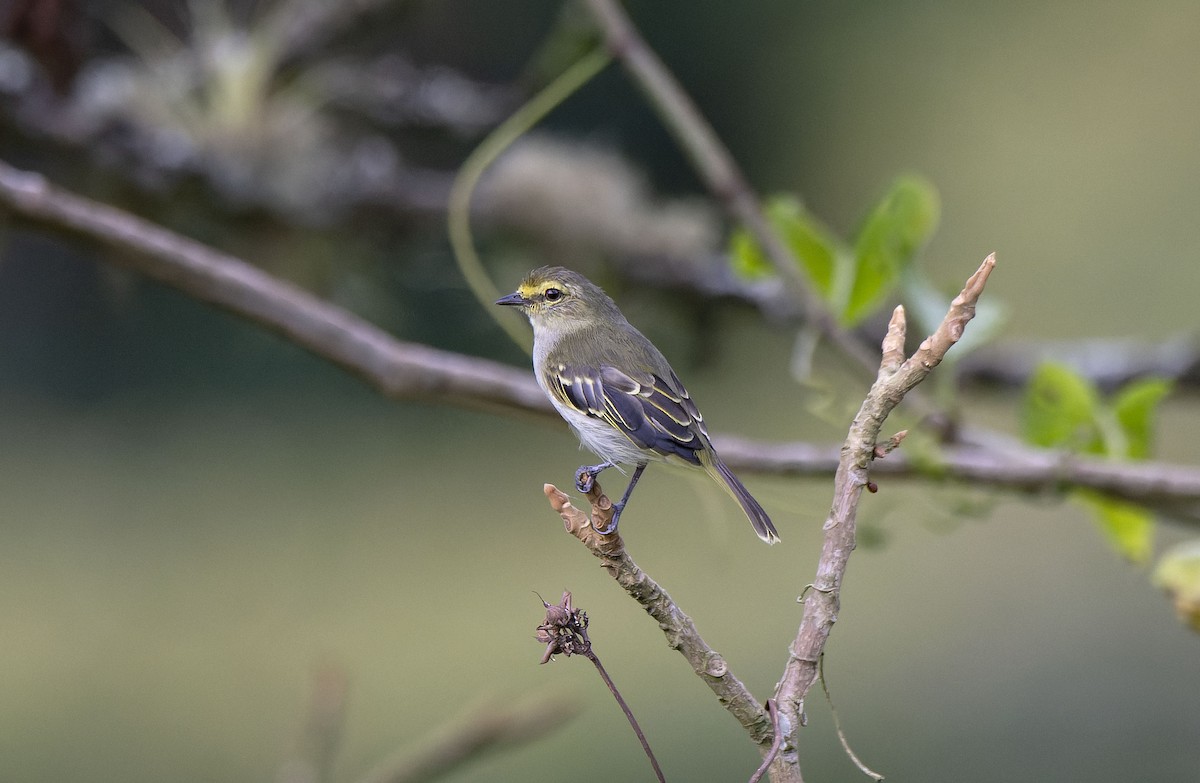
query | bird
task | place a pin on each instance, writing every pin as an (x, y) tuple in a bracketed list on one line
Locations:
[(616, 390)]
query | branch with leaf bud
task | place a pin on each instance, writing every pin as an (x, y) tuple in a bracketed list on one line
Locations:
[(897, 376)]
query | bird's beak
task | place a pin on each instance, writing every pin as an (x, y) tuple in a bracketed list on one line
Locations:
[(514, 298)]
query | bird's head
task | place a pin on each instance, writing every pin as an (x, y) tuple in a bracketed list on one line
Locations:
[(556, 297)]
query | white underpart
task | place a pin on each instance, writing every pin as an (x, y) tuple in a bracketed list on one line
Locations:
[(597, 435)]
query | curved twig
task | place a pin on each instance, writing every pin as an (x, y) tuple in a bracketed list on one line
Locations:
[(837, 725), (458, 213)]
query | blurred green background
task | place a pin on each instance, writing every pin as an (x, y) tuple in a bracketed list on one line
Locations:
[(195, 516)]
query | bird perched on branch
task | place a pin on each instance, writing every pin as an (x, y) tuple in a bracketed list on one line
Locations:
[(616, 390)]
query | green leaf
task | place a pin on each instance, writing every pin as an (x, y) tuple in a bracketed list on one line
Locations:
[(1128, 528), (889, 239), (1060, 410), (1135, 407), (746, 257), (812, 243), (1178, 573)]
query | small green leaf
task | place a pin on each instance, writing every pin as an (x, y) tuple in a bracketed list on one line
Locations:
[(814, 246), (811, 242), (891, 235), (1178, 573), (1128, 528), (1135, 407), (746, 257), (1060, 410)]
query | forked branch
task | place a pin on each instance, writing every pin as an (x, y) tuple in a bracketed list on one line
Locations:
[(897, 375)]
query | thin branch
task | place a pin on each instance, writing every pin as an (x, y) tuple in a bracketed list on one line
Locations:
[(837, 725), (405, 370), (679, 629), (896, 377), (715, 165), (612, 688)]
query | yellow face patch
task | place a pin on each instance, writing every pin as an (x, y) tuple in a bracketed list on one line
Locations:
[(544, 291)]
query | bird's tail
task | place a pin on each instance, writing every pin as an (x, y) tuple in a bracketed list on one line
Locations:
[(754, 512)]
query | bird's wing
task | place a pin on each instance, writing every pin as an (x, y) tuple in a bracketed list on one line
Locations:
[(653, 413)]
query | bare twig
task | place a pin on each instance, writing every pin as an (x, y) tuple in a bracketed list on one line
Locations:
[(837, 725), (658, 773), (680, 631), (896, 377), (405, 370), (487, 729)]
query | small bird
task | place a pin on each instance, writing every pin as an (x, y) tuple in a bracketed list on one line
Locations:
[(615, 389)]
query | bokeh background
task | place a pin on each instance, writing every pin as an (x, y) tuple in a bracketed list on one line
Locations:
[(196, 516)]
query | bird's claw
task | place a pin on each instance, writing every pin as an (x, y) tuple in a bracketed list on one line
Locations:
[(611, 527), (585, 477)]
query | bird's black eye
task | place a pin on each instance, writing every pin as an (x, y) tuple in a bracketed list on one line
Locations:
[(553, 294)]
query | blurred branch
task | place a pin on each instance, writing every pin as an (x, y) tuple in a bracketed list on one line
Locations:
[(1108, 363), (680, 631), (398, 369), (897, 376), (1164, 487), (716, 166), (406, 370), (485, 730)]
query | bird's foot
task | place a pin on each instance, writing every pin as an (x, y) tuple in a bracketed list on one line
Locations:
[(585, 477), (611, 527)]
